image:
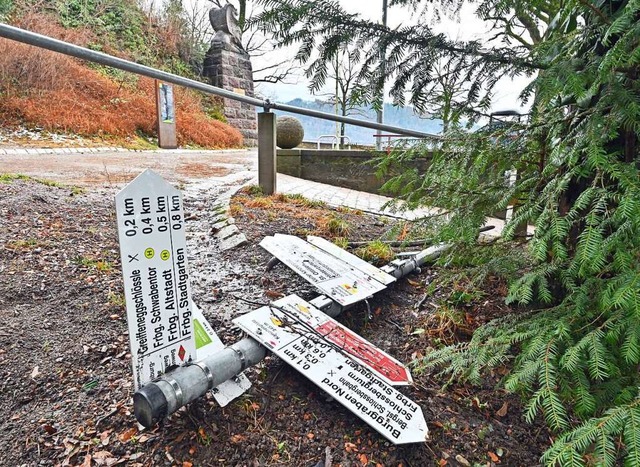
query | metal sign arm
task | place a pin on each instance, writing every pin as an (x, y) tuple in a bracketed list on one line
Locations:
[(177, 388)]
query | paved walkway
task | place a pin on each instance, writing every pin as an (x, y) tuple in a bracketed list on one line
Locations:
[(338, 196), (378, 204)]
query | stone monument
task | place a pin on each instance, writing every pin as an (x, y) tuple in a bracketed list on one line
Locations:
[(228, 66)]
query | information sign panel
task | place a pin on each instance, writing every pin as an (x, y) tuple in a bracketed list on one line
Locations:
[(156, 283), (353, 260), (338, 280), (288, 329)]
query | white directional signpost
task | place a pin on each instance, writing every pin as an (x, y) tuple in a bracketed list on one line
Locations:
[(156, 282), (166, 329), (293, 330), (335, 278)]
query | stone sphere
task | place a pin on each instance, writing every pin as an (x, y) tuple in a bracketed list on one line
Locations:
[(289, 132)]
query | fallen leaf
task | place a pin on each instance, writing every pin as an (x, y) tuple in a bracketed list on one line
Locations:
[(364, 460), (104, 437), (35, 372), (503, 410), (442, 462), (87, 461), (49, 429), (127, 434), (235, 439), (461, 460), (350, 447), (104, 458), (493, 457), (310, 435), (187, 464), (413, 283), (273, 294)]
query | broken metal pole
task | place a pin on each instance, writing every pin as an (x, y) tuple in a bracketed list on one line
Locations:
[(184, 384), (178, 387), (399, 268)]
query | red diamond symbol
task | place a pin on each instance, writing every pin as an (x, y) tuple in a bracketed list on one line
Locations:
[(181, 353)]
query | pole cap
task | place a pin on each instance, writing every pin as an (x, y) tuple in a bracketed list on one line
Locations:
[(149, 405)]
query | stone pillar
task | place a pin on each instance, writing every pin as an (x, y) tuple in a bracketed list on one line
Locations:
[(228, 67)]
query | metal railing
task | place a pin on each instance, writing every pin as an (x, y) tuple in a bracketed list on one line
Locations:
[(45, 42), (335, 140)]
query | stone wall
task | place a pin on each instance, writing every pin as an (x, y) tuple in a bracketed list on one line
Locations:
[(229, 68), (349, 169)]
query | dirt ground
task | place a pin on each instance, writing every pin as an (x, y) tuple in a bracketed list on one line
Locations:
[(65, 371)]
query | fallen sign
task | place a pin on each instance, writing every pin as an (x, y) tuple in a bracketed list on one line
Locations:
[(340, 281), (160, 313), (287, 328), (368, 268)]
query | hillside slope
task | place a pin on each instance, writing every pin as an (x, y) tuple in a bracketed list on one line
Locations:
[(47, 90)]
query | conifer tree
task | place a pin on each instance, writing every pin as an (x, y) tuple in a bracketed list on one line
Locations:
[(575, 352)]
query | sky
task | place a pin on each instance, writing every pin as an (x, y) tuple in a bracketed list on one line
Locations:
[(466, 27)]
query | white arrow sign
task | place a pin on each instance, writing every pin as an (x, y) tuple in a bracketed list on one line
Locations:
[(156, 282), (353, 260), (338, 280), (283, 328)]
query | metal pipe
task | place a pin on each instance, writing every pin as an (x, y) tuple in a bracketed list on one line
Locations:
[(55, 45), (400, 268), (175, 389), (383, 74), (350, 120), (178, 387)]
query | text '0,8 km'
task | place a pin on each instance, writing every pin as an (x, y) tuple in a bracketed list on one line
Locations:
[(154, 266)]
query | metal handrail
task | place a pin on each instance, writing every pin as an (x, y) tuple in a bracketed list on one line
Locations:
[(336, 140), (49, 43)]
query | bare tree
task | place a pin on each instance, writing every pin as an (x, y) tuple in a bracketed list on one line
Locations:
[(349, 95)]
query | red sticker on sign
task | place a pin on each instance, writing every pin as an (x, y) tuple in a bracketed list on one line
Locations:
[(364, 351)]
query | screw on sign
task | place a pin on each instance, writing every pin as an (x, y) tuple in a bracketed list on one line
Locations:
[(150, 220)]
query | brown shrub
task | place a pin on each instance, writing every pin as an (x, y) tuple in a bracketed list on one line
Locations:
[(58, 93)]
